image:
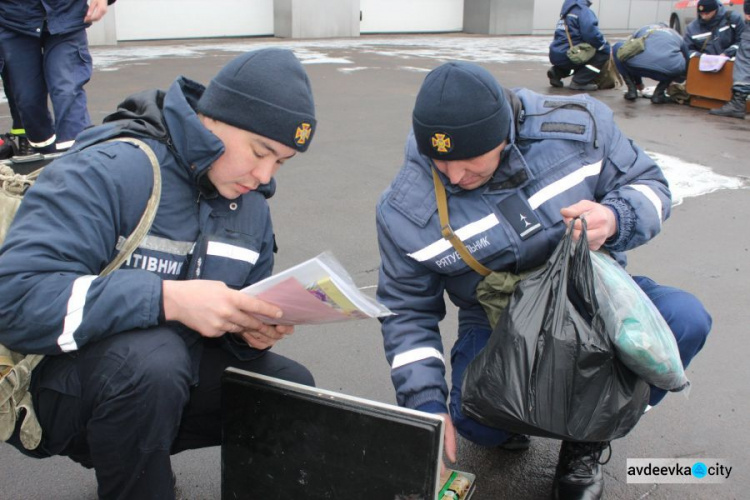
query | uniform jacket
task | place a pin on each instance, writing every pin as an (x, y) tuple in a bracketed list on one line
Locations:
[(720, 35), (666, 51), (66, 231), (557, 156), (29, 16), (583, 27)]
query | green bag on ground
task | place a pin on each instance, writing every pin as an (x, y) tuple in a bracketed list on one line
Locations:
[(581, 53), (609, 77)]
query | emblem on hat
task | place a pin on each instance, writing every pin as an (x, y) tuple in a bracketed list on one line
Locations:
[(304, 131), (442, 143), (701, 8)]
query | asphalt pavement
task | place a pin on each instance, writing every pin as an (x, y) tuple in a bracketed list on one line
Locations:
[(364, 92)]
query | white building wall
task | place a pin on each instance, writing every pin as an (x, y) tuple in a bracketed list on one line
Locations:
[(411, 16), (174, 19)]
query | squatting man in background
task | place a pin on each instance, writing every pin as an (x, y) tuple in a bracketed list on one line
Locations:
[(503, 153), (134, 359)]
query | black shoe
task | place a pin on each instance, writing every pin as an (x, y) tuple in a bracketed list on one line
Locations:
[(588, 87), (632, 93), (734, 108), (660, 94), (579, 473), (554, 80), (516, 442), (22, 146)]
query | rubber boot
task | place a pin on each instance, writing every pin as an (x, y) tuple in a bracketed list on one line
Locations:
[(632, 92), (734, 108), (660, 94)]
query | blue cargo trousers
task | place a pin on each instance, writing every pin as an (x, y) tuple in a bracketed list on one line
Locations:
[(49, 66)]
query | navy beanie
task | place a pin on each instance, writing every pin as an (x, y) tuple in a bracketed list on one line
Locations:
[(461, 112), (708, 5), (266, 92)]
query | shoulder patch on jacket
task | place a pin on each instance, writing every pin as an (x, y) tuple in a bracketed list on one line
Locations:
[(413, 196), (569, 118)]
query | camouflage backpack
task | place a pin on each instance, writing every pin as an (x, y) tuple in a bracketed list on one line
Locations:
[(16, 368)]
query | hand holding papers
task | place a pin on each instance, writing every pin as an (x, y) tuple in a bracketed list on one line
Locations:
[(314, 292)]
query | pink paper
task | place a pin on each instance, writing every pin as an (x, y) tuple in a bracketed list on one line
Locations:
[(299, 305)]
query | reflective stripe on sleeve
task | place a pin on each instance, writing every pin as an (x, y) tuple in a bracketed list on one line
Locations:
[(416, 355), (159, 244), (228, 251), (74, 315), (651, 196), (468, 231), (560, 186)]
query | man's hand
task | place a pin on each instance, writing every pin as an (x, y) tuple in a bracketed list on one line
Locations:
[(449, 440), (97, 9), (601, 222), (212, 309)]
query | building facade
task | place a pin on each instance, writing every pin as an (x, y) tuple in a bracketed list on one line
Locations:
[(184, 19)]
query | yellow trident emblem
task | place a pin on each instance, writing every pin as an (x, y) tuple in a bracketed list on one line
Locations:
[(442, 143), (303, 134)]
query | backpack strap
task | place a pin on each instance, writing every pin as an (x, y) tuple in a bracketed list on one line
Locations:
[(144, 225)]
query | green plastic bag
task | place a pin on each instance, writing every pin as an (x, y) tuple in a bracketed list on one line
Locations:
[(643, 340)]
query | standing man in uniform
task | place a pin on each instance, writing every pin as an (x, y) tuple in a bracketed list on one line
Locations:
[(45, 49), (517, 167), (737, 106), (134, 358)]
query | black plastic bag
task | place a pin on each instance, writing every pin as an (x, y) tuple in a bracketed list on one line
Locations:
[(549, 368)]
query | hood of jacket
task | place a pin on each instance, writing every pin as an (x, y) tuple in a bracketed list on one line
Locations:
[(170, 118), (569, 5)]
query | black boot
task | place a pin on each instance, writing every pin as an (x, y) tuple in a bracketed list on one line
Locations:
[(734, 108), (554, 78), (632, 92), (579, 473), (660, 94)]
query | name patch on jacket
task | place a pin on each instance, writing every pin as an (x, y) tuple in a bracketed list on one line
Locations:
[(520, 215)]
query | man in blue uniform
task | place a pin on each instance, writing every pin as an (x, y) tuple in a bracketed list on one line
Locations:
[(517, 167), (663, 59), (715, 31), (579, 24), (737, 106), (46, 54), (134, 359)]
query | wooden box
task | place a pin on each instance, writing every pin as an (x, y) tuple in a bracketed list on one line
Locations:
[(709, 90)]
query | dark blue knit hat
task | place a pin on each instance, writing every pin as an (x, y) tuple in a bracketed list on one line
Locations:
[(461, 112), (266, 92), (708, 5)]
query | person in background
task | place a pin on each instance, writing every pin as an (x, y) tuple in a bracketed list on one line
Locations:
[(45, 49), (715, 31), (134, 359), (664, 59), (517, 168), (737, 106), (15, 142), (583, 27)]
